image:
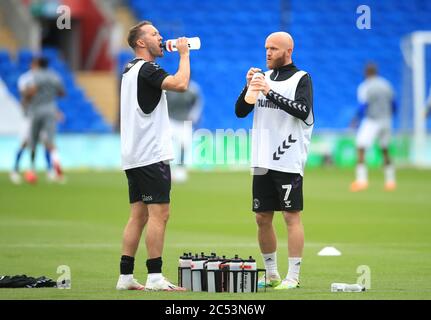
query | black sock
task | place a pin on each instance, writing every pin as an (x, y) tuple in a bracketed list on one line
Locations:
[(154, 265), (127, 265)]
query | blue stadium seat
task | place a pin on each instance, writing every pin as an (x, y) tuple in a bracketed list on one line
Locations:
[(4, 57), (75, 105)]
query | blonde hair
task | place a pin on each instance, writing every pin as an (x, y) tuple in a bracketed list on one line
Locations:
[(135, 33)]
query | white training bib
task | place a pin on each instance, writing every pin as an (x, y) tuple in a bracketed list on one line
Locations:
[(145, 138), (280, 141)]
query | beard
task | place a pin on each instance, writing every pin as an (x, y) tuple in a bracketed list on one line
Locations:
[(279, 62), (156, 51), (276, 63)]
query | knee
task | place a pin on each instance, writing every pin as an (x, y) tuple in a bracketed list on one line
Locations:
[(161, 214), (164, 217), (292, 218), (138, 222), (263, 220)]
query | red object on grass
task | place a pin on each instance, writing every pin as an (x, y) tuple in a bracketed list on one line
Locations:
[(30, 177)]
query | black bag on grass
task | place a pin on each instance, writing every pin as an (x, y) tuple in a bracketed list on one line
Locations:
[(22, 281)]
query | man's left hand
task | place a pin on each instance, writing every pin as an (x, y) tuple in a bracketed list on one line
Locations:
[(259, 83)]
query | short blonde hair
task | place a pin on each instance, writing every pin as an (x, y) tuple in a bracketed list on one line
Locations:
[(135, 33)]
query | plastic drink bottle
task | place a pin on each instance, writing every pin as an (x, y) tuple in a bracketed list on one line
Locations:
[(171, 44), (235, 277), (185, 263), (345, 287), (224, 268), (250, 274), (197, 270), (214, 274), (252, 94)]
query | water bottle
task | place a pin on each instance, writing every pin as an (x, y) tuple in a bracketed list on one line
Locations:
[(224, 268), (345, 287), (250, 275), (235, 274), (251, 94), (185, 263), (214, 274), (198, 274), (171, 44)]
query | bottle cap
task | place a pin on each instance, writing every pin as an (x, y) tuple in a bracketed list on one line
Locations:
[(236, 259)]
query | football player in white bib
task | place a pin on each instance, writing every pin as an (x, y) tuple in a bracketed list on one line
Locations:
[(146, 149), (282, 126)]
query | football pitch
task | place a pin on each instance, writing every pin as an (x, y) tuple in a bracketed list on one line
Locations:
[(80, 225)]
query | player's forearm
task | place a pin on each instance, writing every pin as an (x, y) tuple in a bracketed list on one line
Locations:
[(295, 108), (242, 108), (183, 74)]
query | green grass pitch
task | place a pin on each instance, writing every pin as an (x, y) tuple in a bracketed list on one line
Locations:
[(80, 224)]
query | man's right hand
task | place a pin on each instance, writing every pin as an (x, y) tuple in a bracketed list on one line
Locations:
[(182, 46), (250, 74)]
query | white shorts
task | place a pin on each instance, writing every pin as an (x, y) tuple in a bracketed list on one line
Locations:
[(370, 130)]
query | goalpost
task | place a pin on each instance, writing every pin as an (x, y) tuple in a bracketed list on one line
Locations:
[(413, 47)]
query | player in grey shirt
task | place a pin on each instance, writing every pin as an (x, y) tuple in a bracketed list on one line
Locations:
[(183, 106), (43, 88), (377, 106)]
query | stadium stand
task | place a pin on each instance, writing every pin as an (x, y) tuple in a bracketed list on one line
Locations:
[(327, 43), (81, 115)]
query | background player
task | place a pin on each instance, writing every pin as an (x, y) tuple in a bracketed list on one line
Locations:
[(183, 106), (23, 84), (40, 88), (377, 107)]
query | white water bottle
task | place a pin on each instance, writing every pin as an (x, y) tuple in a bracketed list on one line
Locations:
[(214, 276), (185, 263), (235, 277), (252, 94), (171, 44), (197, 270), (345, 287), (250, 275)]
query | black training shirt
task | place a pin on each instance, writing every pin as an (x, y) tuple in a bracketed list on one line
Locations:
[(150, 79)]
